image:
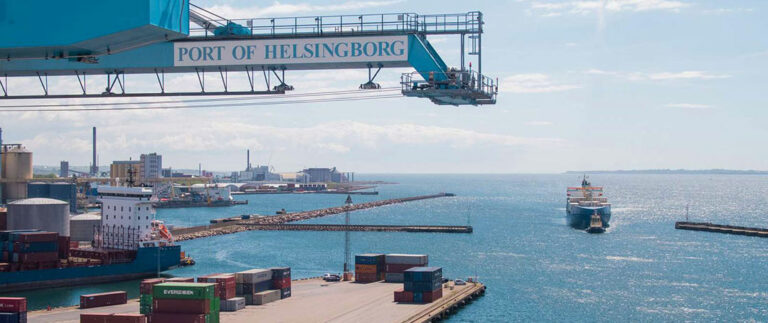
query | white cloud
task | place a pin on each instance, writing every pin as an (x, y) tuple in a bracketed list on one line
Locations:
[(725, 11), (659, 76), (688, 106), (532, 83), (585, 7), (281, 9), (538, 123)]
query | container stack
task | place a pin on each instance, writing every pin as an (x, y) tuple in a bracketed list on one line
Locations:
[(281, 280), (369, 267), (30, 249), (251, 282), (421, 285), (145, 294), (13, 309), (103, 299), (180, 280), (225, 290), (185, 302), (112, 318), (397, 264)]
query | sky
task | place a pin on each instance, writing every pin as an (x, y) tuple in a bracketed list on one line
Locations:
[(584, 85)]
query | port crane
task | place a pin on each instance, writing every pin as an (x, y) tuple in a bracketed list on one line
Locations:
[(83, 38)]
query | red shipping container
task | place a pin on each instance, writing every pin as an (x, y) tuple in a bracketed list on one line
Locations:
[(402, 296), (103, 299), (183, 306), (127, 318), (281, 283), (180, 280), (146, 285), (63, 247), (399, 268), (3, 220), (5, 267), (13, 304), (432, 296), (95, 317), (176, 318), (38, 237), (36, 257), (366, 278)]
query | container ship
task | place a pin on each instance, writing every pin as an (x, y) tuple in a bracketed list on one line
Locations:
[(128, 244), (587, 207)]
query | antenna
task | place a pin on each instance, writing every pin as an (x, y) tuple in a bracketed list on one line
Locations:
[(686, 212)]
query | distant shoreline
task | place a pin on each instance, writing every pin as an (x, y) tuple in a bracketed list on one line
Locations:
[(675, 172)]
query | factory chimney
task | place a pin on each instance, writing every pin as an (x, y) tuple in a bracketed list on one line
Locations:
[(248, 161), (94, 165)]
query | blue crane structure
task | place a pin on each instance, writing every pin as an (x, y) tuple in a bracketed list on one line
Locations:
[(118, 38)]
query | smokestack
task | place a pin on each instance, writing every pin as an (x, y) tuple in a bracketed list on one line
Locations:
[(94, 165), (248, 161)]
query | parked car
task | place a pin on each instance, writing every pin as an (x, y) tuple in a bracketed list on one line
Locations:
[(331, 277), (459, 282)]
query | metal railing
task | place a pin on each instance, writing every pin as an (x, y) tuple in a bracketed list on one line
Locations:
[(463, 23), (471, 81)]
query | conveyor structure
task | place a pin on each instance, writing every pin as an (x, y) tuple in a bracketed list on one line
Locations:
[(155, 37)]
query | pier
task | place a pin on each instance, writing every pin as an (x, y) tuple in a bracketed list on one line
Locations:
[(315, 300), (364, 228), (720, 228), (202, 231)]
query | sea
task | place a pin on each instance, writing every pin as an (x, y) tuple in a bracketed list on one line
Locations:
[(536, 268)]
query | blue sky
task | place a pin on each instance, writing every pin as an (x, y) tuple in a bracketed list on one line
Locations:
[(615, 84)]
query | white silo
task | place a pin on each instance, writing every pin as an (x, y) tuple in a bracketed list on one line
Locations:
[(39, 213), (82, 226), (17, 171)]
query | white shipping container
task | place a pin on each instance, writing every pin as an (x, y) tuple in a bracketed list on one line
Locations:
[(405, 259), (265, 297), (253, 276), (233, 304)]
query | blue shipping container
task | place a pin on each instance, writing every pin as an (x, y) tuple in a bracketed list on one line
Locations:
[(36, 246), (423, 274), (369, 259), (422, 286)]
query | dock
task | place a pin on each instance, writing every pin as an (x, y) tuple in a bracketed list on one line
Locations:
[(720, 228), (363, 228), (203, 231), (314, 300)]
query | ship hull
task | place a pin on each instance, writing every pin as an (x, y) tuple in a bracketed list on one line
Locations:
[(145, 265), (579, 217)]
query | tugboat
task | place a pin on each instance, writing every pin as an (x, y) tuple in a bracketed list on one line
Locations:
[(583, 203), (595, 224)]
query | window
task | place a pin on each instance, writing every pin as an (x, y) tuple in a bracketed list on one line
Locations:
[(121, 209), (129, 209), (129, 217), (121, 217)]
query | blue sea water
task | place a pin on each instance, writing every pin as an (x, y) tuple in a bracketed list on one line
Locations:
[(535, 266)]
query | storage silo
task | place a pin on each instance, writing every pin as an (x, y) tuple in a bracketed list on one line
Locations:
[(39, 213), (81, 226), (17, 170)]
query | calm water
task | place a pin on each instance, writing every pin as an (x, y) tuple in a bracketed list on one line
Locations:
[(535, 266)]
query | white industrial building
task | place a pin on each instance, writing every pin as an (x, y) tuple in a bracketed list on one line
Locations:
[(126, 216)]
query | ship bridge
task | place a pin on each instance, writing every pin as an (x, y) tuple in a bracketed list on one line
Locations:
[(156, 37)]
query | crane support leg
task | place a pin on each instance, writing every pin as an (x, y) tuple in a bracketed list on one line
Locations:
[(201, 80), (370, 85), (161, 81), (4, 87), (44, 84), (82, 82)]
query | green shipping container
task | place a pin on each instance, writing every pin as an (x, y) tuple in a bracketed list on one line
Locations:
[(184, 291), (212, 318), (145, 304)]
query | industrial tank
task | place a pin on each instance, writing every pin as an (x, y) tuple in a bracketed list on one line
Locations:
[(39, 213), (81, 226), (17, 170)]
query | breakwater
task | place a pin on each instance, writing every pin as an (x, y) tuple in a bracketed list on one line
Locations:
[(362, 228), (203, 231), (719, 228)]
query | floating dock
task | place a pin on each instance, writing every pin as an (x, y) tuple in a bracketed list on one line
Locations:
[(720, 228), (366, 228), (314, 300)]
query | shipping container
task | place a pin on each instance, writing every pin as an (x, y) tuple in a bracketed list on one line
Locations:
[(40, 236), (369, 259), (183, 291), (423, 274), (366, 269), (145, 287), (406, 259), (366, 278), (280, 272), (13, 304), (285, 293), (265, 297), (225, 285), (393, 277), (63, 247), (422, 286), (95, 317), (399, 268), (402, 296), (112, 318), (281, 283), (180, 280), (183, 306), (429, 297), (48, 246), (103, 299), (253, 276), (174, 317), (233, 304), (35, 257), (250, 289)]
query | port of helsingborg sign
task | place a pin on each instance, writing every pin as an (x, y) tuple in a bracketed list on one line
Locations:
[(291, 51)]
